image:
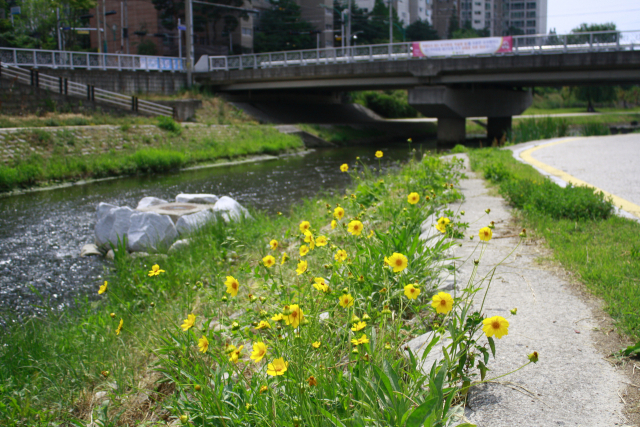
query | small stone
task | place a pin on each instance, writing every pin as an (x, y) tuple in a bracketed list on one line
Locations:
[(89, 250), (197, 198), (110, 255)]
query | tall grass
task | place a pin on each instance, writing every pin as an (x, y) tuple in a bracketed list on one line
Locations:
[(535, 129)]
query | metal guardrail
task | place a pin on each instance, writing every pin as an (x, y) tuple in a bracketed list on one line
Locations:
[(91, 93), (522, 45), (90, 61)]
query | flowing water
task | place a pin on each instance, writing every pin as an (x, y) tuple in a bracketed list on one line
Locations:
[(41, 233)]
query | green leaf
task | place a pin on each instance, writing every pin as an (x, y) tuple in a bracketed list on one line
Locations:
[(492, 345), (388, 369), (632, 350), (419, 415)]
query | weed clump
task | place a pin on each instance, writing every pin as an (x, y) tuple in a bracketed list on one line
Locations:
[(168, 124)]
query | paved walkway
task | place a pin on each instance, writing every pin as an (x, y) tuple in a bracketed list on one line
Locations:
[(608, 163), (572, 385)]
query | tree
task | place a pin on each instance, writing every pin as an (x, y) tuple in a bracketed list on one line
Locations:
[(421, 31), (513, 31), (467, 32), (591, 94), (282, 28), (597, 38), (454, 24)]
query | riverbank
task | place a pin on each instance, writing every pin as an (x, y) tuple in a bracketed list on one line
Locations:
[(46, 157), (84, 366)]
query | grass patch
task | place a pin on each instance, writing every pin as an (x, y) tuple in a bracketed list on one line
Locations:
[(600, 248), (51, 368), (92, 153)]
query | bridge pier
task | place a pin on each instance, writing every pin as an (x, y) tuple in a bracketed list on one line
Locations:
[(453, 105)]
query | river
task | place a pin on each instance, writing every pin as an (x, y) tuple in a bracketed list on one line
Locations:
[(41, 233)]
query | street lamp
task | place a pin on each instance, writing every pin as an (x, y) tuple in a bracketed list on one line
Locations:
[(342, 13)]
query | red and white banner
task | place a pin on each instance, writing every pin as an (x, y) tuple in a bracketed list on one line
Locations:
[(477, 46)]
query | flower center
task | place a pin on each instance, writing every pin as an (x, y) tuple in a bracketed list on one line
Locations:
[(495, 325), (234, 285), (398, 262), (443, 302)]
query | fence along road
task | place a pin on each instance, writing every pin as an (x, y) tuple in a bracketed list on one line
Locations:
[(91, 93)]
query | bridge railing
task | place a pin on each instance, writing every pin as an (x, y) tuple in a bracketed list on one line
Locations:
[(66, 87), (521, 45), (91, 61)]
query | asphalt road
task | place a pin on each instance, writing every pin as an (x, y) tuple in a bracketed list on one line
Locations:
[(610, 163)]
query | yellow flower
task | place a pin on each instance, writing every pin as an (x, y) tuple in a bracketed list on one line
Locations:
[(188, 322), (355, 228), (378, 154), (277, 367), (308, 238), (263, 325), (312, 381), (103, 288), (359, 326), (295, 317), (304, 250), (235, 354), (203, 344), (285, 258), (338, 213), (278, 317), (232, 286), (341, 255), (321, 241), (442, 223), (259, 351), (344, 167), (411, 292), (263, 389), (333, 224), (119, 328), (155, 271), (486, 234), (370, 234), (413, 198), (362, 340), (316, 344), (302, 267), (320, 284), (269, 261), (496, 325), (229, 348), (304, 226), (398, 261), (442, 302), (274, 244), (533, 357), (345, 300)]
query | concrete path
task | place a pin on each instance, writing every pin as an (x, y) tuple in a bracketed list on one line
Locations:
[(526, 116), (607, 163), (572, 385)]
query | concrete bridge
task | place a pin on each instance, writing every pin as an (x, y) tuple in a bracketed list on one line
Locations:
[(308, 86)]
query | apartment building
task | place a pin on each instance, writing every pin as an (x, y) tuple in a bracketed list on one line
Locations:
[(529, 16)]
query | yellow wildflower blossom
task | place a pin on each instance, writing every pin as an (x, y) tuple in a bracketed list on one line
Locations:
[(269, 261), (294, 317), (274, 244), (320, 284), (285, 258), (232, 286), (379, 154), (413, 198), (333, 224), (304, 249), (338, 213), (411, 292), (345, 300), (304, 226), (155, 271), (355, 227), (398, 261), (442, 302), (259, 351), (496, 325), (277, 367), (344, 167), (316, 344), (359, 326), (341, 255), (235, 354), (203, 344), (302, 267), (442, 223), (486, 234), (119, 328), (321, 241), (362, 340), (278, 317), (263, 325), (103, 288), (188, 322)]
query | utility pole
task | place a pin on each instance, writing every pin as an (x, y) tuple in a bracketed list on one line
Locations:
[(58, 28), (179, 39), (349, 24), (189, 16), (121, 27), (98, 26), (390, 23), (104, 16), (126, 24)]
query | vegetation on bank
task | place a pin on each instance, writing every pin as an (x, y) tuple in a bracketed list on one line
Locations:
[(42, 156), (602, 249), (326, 325), (390, 104)]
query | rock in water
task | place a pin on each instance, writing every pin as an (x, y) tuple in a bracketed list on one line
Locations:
[(150, 231), (112, 225), (150, 201), (189, 223), (197, 198), (229, 209), (89, 250), (103, 209)]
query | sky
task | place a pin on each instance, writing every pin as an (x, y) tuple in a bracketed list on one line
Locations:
[(564, 15)]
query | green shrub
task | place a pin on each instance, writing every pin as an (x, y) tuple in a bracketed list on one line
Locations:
[(595, 129), (392, 104), (497, 172), (546, 197), (158, 160), (8, 178), (458, 149), (535, 129), (77, 121), (51, 121), (167, 123)]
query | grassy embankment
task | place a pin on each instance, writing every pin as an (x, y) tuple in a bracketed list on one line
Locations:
[(52, 368), (51, 156), (602, 249)]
